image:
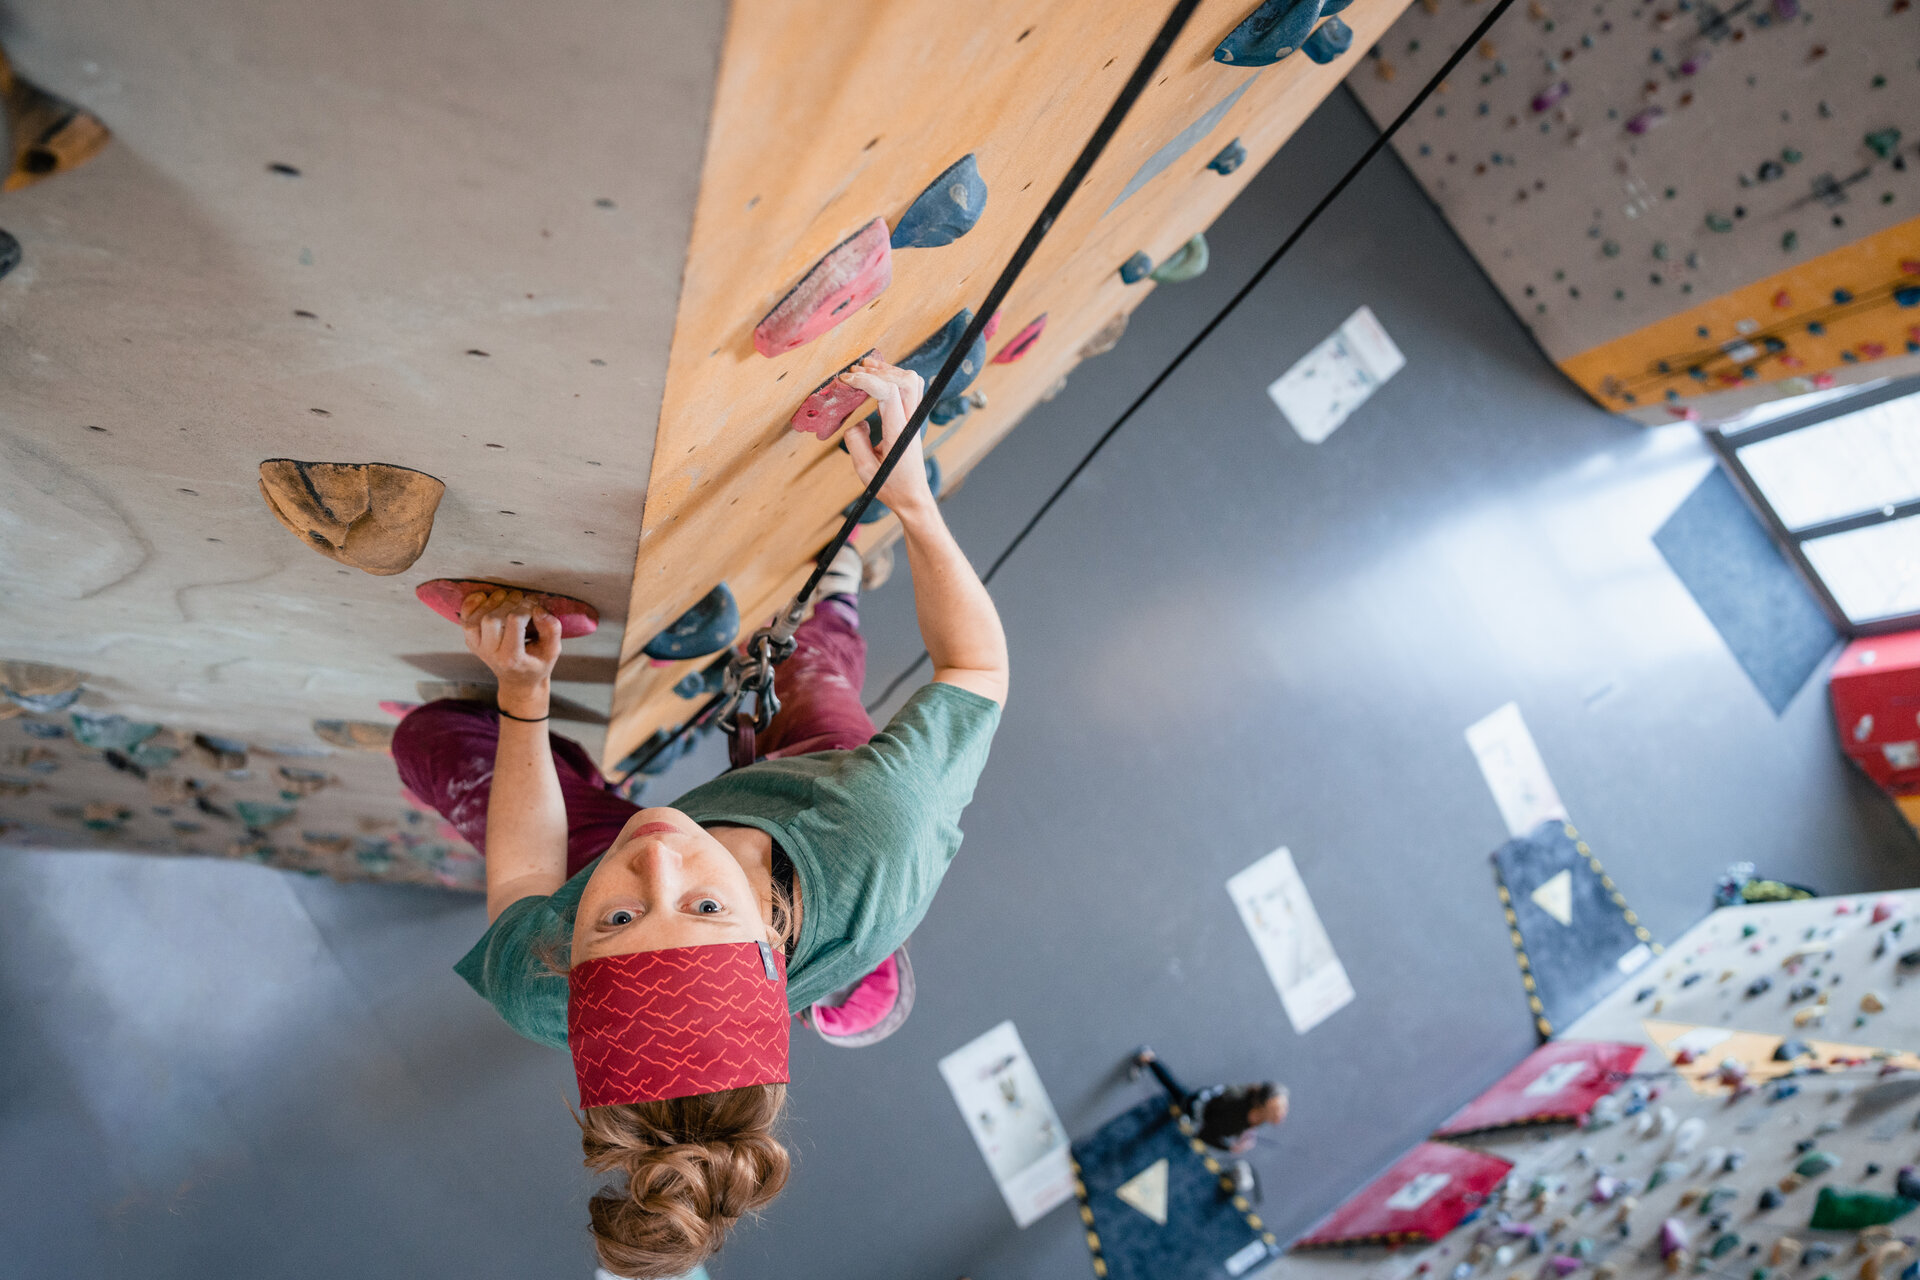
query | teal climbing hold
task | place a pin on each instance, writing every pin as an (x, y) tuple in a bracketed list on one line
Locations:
[(1269, 33), (1883, 142), (1332, 39), (1231, 157), (1815, 1163), (946, 210), (1184, 263), (105, 732), (1136, 269), (706, 628), (260, 817)]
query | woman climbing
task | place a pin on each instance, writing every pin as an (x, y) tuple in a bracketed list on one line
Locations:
[(666, 946)]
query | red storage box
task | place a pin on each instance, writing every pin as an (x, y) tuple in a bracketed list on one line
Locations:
[(1875, 687)]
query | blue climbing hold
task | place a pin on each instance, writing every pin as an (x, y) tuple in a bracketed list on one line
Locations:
[(1330, 7), (1136, 269), (1231, 157), (877, 510), (927, 359), (946, 210), (663, 758), (1907, 295), (706, 628), (41, 729), (948, 409), (1332, 39), (699, 684), (1269, 33)]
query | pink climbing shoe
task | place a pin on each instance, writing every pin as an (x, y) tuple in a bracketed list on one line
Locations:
[(445, 596), (868, 1011)]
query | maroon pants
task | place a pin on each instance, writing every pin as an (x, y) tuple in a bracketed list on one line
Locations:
[(445, 749)]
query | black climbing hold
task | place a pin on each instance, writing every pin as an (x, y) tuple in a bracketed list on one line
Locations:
[(1911, 960), (1136, 269), (1231, 157), (1269, 33), (946, 210), (1332, 39), (706, 628), (1760, 985), (9, 253), (1771, 1199), (284, 170), (1906, 1183)]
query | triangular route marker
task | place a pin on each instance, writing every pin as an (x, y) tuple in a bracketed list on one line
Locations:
[(1555, 897), (1147, 1191)]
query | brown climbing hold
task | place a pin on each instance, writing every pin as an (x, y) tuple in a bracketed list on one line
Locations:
[(355, 735), (1106, 338), (48, 135), (38, 686), (374, 516), (1872, 1003)]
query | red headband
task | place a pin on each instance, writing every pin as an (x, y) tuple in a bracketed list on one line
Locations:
[(673, 1023)]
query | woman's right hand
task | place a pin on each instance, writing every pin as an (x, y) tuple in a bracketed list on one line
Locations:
[(497, 623)]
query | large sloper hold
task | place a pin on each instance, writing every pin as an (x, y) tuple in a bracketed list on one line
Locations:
[(1573, 933), (708, 627), (38, 686), (1269, 33), (1184, 263), (446, 596), (852, 274), (1158, 1205), (1557, 1083), (1421, 1197), (946, 210), (45, 134), (375, 516)]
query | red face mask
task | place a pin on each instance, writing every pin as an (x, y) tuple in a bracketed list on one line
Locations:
[(674, 1023)]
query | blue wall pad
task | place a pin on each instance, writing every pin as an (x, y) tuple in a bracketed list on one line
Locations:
[(706, 628), (1208, 1234), (1573, 933), (946, 210), (1750, 593)]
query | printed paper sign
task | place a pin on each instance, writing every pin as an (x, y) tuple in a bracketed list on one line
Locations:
[(1417, 1191), (1012, 1121), (1293, 944), (1514, 771), (1328, 383)]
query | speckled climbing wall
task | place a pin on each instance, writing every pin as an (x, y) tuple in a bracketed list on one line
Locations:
[(1777, 1087), (1680, 197), (830, 115), (443, 237)]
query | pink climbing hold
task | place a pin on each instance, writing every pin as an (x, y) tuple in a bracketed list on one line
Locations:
[(445, 596), (1563, 1264), (993, 327), (853, 273), (398, 710), (829, 405), (1883, 910), (1551, 96), (1022, 341)]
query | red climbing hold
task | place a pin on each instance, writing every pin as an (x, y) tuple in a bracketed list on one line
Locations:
[(1022, 341), (1783, 299), (829, 405), (853, 273), (445, 596)]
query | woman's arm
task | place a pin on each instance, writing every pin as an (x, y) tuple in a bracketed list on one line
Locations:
[(958, 622), (526, 849)]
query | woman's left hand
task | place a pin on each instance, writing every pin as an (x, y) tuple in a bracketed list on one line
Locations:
[(497, 625)]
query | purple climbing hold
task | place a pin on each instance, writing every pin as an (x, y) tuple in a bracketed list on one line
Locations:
[(1332, 39), (1269, 33), (1563, 1265), (829, 405), (1231, 157), (1691, 66), (852, 274), (1642, 121), (1136, 269), (946, 210), (9, 253), (1785, 9), (1673, 1237), (1551, 96)]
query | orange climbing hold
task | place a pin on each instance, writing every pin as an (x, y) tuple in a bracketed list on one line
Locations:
[(445, 596)]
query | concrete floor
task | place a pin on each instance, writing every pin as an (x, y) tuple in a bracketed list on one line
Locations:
[(1225, 641)]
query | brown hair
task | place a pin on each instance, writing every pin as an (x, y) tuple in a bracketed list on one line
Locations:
[(692, 1167)]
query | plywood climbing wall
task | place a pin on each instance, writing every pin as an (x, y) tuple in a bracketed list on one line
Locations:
[(1678, 198), (829, 115)]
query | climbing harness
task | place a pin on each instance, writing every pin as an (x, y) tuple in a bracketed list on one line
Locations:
[(750, 672), (1333, 193)]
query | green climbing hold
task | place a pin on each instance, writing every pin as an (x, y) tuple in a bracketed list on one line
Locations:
[(1791, 156), (1790, 241), (1611, 248), (1815, 1163), (1660, 250), (1184, 263), (1851, 1210), (1724, 1245), (259, 817), (1883, 142), (1719, 222)]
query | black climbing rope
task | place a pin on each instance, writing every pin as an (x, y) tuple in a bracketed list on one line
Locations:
[(751, 673), (1333, 193)]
